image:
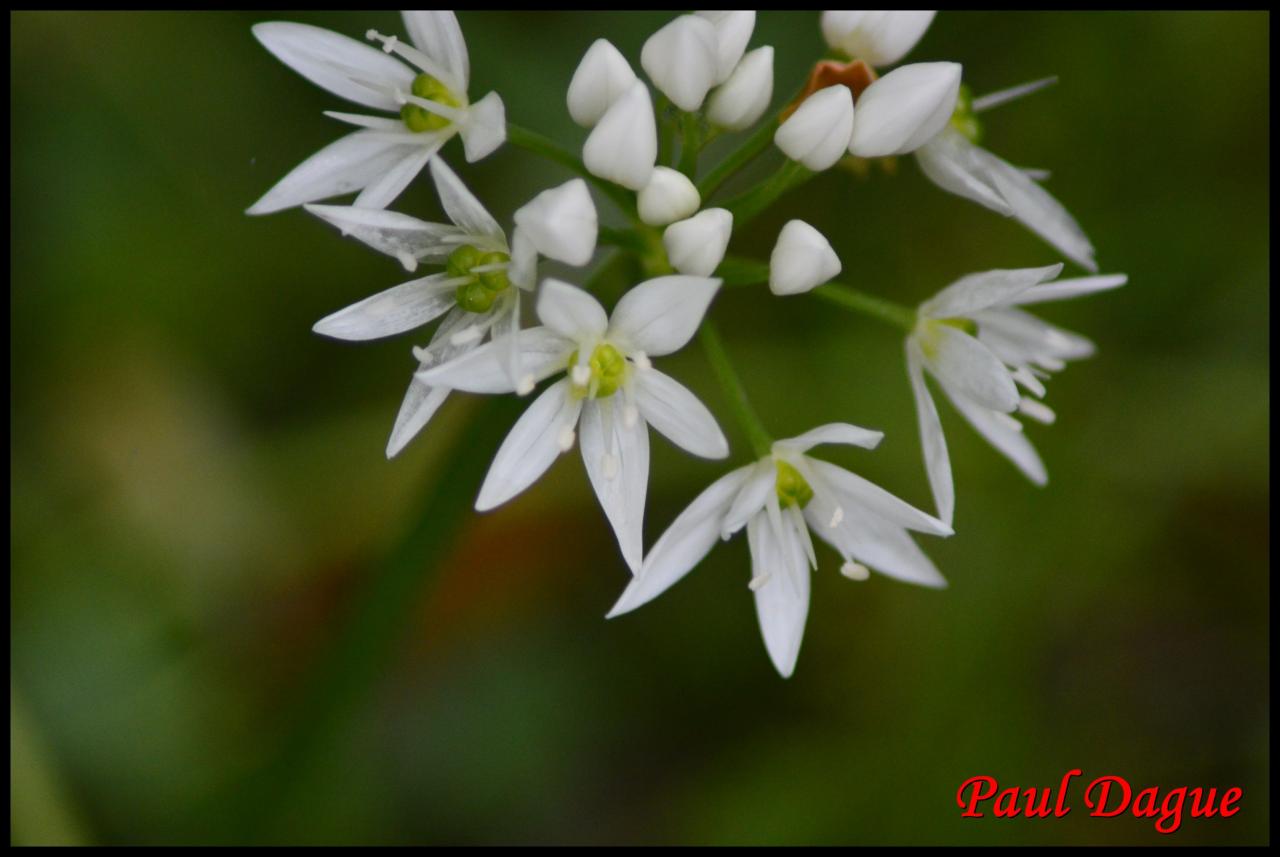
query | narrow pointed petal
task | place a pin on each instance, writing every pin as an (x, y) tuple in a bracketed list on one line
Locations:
[(437, 34), (968, 368), (760, 482), (937, 462), (742, 99), (733, 31), (523, 270), (346, 165), (678, 414), (335, 62), (1072, 288), (376, 123), (396, 310), (833, 433), (853, 493), (660, 315), (948, 162), (623, 147), (696, 246), (975, 292), (600, 80), (532, 446), (383, 190), (681, 60), (397, 235), (461, 205), (561, 223), (617, 460), (801, 260), (1017, 337), (878, 38), (905, 109), (1013, 93), (890, 550), (484, 370), (419, 406), (689, 538), (485, 128), (818, 132), (782, 603), (1008, 441), (570, 311)]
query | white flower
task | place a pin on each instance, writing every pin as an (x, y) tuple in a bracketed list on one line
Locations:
[(682, 60), (818, 132), (779, 499), (954, 162), (742, 99), (473, 292), (733, 31), (696, 246), (600, 79), (878, 38), (431, 102), (904, 109), (972, 338), (801, 260), (669, 196), (623, 147), (610, 393)]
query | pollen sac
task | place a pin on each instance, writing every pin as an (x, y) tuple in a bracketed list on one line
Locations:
[(420, 119), (792, 488), (606, 370), (964, 120), (484, 286)]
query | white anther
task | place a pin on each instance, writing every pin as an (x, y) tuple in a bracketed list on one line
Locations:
[(580, 375), (525, 386), (630, 416), (467, 335), (566, 438), (641, 360), (758, 581), (1037, 411), (610, 466), (408, 260), (424, 356), (855, 570), (1008, 421), (836, 517)]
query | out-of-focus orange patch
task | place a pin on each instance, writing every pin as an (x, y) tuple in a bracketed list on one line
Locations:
[(856, 75)]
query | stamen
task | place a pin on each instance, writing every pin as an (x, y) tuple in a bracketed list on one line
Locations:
[(758, 581), (580, 375), (1008, 421), (641, 360), (408, 260), (485, 269), (525, 386), (423, 355), (836, 517), (391, 44), (1028, 380), (450, 113), (1038, 411), (566, 438), (466, 336), (855, 570)]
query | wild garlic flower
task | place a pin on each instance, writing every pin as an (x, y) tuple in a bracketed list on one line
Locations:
[(609, 396), (877, 38), (780, 499), (429, 95), (956, 163), (474, 293), (973, 339)]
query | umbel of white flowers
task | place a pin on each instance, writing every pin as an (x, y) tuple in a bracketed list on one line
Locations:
[(429, 94)]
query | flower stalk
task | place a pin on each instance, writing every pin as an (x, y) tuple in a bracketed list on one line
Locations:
[(735, 393)]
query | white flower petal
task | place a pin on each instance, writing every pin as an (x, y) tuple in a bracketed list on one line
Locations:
[(947, 161), (531, 447), (975, 292), (832, 433), (397, 235), (689, 538), (419, 406), (393, 311), (523, 270), (335, 62), (669, 196), (461, 205), (782, 605), (1008, 441), (681, 60), (818, 132), (383, 190), (888, 549), (966, 367), (678, 414), (801, 260), (617, 460), (485, 128), (660, 315), (377, 123), (345, 165), (736, 104), (733, 31), (905, 109), (878, 38), (853, 493), (937, 463), (761, 481), (623, 147), (696, 246), (1075, 287), (571, 312), (1018, 337), (561, 223), (437, 34), (543, 352), (600, 80)]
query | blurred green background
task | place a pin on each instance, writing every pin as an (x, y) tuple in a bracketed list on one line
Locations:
[(207, 641)]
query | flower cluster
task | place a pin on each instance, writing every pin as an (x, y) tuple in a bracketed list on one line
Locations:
[(988, 355)]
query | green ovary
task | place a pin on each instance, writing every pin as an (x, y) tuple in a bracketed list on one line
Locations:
[(483, 288), (608, 370), (928, 333), (792, 488), (964, 120), (420, 119)]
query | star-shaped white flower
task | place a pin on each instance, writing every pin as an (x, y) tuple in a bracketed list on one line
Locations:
[(954, 162), (981, 348), (610, 394), (779, 499), (430, 99), (474, 293)]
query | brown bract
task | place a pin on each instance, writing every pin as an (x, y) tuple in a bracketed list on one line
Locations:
[(856, 75)]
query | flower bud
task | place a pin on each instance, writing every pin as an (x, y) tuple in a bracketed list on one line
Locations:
[(743, 98), (817, 133), (733, 31), (623, 147), (669, 196), (561, 223), (801, 260), (905, 109), (601, 79), (680, 59), (696, 246), (878, 38)]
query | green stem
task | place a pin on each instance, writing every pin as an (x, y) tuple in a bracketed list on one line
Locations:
[(749, 204), (532, 141), (858, 301), (738, 158), (625, 238), (689, 144), (665, 142), (761, 442), (736, 271)]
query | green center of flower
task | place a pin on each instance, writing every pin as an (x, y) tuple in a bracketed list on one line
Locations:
[(420, 119), (792, 488), (602, 375), (486, 276), (964, 120), (928, 332)]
